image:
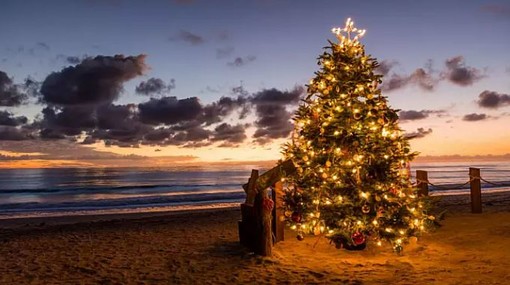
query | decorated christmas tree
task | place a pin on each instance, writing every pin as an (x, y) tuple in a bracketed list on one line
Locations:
[(352, 183)]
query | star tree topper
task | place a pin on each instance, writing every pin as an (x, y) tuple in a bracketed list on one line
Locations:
[(349, 28)]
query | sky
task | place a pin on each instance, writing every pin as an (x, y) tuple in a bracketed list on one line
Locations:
[(154, 83)]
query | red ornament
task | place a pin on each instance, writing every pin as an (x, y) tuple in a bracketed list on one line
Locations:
[(393, 191), (296, 217), (358, 238), (380, 212), (267, 204)]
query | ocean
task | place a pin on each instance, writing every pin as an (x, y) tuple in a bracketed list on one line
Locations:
[(84, 191)]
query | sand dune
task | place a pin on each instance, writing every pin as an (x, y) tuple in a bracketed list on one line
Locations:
[(203, 248)]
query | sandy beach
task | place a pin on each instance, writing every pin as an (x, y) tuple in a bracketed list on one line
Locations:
[(203, 248)]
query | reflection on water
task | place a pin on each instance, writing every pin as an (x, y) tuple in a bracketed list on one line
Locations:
[(101, 189)]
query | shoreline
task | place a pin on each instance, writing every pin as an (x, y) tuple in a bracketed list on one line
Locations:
[(453, 202)]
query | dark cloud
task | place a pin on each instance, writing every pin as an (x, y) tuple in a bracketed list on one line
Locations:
[(273, 119), (493, 100), (11, 94), (188, 37), (426, 78), (95, 80), (89, 140), (169, 110), (192, 136), (395, 82), (212, 89), (423, 79), (224, 52), (413, 115), (155, 86), (116, 117), (114, 124), (458, 73), (120, 125), (73, 59), (242, 61), (240, 91), (419, 77), (69, 121), (32, 87), (10, 133), (217, 111), (474, 117), (158, 136), (43, 45), (230, 134), (274, 122), (419, 133), (385, 66), (196, 134), (8, 119), (32, 50), (275, 96)]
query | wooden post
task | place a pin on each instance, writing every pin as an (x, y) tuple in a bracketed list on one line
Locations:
[(422, 182), (278, 225), (258, 222), (264, 240), (476, 190), (248, 229), (250, 188)]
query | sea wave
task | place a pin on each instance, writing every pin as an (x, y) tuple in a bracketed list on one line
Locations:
[(123, 188)]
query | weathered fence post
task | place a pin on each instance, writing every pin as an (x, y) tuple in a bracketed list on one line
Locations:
[(247, 225), (261, 214), (264, 240), (278, 225), (476, 190), (422, 182)]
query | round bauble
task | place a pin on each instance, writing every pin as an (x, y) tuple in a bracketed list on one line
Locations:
[(358, 238), (296, 217)]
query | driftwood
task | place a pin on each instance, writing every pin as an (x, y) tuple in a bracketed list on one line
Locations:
[(261, 226), (266, 180)]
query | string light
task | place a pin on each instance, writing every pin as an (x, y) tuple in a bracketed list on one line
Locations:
[(350, 155), (348, 29)]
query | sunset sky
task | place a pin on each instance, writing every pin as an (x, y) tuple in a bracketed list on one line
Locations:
[(154, 83)]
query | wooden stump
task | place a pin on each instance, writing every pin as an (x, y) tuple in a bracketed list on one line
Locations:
[(247, 227), (278, 225), (422, 182), (476, 190)]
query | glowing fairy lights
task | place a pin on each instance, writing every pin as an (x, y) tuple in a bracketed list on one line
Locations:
[(349, 154), (348, 29)]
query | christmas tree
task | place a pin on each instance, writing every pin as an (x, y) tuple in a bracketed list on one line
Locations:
[(351, 183)]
